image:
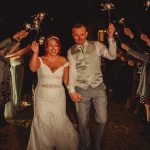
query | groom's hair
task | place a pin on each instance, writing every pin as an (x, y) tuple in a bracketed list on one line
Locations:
[(79, 25)]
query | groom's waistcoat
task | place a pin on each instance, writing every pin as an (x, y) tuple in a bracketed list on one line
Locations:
[(88, 66)]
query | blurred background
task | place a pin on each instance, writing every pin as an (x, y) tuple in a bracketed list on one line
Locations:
[(61, 15)]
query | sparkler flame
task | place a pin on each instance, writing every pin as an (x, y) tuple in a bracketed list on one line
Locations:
[(147, 5), (37, 19), (121, 20), (107, 6), (41, 40)]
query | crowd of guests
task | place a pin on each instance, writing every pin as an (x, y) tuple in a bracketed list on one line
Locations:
[(143, 91), (80, 72), (10, 77)]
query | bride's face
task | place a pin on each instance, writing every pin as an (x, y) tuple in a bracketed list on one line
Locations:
[(52, 47)]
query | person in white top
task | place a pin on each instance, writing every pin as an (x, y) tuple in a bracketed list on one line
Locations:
[(86, 81)]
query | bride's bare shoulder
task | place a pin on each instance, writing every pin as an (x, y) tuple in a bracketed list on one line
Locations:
[(63, 60)]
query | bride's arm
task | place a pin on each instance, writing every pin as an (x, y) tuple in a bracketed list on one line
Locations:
[(34, 63), (66, 71), (66, 75)]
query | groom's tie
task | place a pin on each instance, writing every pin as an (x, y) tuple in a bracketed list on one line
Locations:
[(82, 48), (81, 54)]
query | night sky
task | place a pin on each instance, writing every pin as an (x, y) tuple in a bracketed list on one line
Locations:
[(62, 14)]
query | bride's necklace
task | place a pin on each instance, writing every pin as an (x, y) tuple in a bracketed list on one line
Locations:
[(52, 59)]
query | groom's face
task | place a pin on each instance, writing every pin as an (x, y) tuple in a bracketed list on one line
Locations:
[(79, 35)]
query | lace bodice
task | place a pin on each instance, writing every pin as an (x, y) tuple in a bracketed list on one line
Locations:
[(47, 76)]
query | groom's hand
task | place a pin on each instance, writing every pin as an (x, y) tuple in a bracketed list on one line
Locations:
[(76, 97)]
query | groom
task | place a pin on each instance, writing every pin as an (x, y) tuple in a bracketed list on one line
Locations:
[(86, 81)]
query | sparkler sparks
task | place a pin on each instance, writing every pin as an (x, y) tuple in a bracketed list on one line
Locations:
[(40, 16), (147, 5), (35, 25), (27, 26), (41, 40), (107, 6), (121, 20)]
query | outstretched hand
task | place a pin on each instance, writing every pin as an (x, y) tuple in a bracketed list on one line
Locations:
[(145, 38), (20, 35), (124, 46), (128, 32)]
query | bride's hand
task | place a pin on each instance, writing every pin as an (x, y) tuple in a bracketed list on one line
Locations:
[(35, 47)]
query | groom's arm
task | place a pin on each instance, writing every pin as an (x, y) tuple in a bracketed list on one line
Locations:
[(76, 97)]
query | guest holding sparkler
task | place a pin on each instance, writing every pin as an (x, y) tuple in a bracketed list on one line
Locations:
[(7, 46), (144, 84)]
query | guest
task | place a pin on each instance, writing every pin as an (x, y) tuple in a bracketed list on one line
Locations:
[(5, 88), (144, 85), (5, 93), (16, 74)]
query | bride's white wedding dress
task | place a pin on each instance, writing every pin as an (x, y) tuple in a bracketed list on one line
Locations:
[(51, 128)]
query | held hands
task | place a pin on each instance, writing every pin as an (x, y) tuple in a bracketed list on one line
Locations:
[(20, 35), (35, 47), (111, 30), (128, 32), (76, 97)]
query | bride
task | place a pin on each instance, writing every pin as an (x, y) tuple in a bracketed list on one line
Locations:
[(51, 128)]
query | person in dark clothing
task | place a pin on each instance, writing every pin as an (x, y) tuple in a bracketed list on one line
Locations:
[(6, 46), (144, 84)]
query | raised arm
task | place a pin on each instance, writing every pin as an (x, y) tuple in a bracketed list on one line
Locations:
[(145, 38), (13, 39), (136, 54), (20, 35), (134, 41), (34, 63), (110, 52)]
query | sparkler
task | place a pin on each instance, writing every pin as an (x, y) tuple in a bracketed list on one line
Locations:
[(28, 27), (107, 7), (41, 40), (36, 23), (117, 35), (147, 5), (122, 21), (37, 20)]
